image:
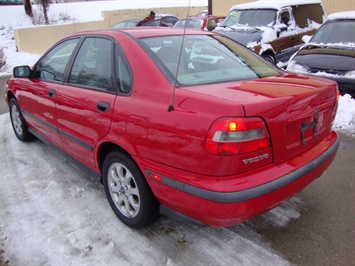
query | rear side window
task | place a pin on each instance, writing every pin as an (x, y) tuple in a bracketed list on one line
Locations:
[(53, 64), (123, 73), (93, 64), (304, 14)]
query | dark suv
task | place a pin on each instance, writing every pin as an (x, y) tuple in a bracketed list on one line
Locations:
[(330, 52)]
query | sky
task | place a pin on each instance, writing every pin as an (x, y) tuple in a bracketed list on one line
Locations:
[(53, 214)]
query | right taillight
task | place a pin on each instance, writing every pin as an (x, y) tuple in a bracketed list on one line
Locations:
[(234, 135)]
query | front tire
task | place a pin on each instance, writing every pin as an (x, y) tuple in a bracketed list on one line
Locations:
[(18, 123), (269, 58), (128, 192)]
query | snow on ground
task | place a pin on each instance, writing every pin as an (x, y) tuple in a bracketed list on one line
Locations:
[(53, 214)]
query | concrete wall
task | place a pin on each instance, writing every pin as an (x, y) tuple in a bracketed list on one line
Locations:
[(36, 40), (112, 17)]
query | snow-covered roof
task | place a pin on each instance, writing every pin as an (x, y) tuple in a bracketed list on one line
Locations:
[(342, 15), (274, 4)]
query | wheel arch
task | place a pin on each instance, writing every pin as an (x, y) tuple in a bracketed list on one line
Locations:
[(266, 50), (105, 149), (9, 96)]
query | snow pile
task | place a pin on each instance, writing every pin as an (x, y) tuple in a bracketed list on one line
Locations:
[(345, 118)]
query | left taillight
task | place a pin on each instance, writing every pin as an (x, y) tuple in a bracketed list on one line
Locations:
[(237, 135)]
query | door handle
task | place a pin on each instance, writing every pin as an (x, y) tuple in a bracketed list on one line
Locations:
[(102, 106), (51, 92)]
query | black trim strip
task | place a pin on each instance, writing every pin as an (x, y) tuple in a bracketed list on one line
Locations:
[(163, 210), (248, 194), (70, 158), (76, 140), (53, 128), (61, 132)]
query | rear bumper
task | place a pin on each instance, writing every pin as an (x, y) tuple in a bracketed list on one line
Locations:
[(246, 198)]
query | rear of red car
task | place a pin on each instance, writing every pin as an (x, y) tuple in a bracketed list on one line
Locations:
[(240, 137), (273, 140)]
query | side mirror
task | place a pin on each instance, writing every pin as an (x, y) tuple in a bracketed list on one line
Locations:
[(211, 27), (281, 28), (22, 72), (306, 38)]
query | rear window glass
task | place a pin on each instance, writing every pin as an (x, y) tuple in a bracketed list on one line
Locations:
[(189, 23), (336, 32), (206, 59), (304, 14)]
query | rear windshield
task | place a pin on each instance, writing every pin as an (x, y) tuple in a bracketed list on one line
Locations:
[(336, 32), (253, 18), (189, 23), (204, 59)]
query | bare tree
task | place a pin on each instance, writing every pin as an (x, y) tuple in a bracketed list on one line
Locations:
[(28, 7), (45, 7)]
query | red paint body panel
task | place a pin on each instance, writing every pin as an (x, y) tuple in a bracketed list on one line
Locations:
[(227, 214), (33, 98), (78, 117)]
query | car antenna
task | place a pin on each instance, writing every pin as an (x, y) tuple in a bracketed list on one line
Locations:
[(171, 105)]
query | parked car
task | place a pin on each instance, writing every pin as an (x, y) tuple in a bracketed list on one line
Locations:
[(208, 22), (2, 57), (202, 13), (11, 2), (166, 21), (127, 23), (330, 52), (191, 125), (162, 20), (273, 29)]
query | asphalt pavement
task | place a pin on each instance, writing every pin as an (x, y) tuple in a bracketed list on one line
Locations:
[(3, 106), (324, 234)]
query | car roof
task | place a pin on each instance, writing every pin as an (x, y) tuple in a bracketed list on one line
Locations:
[(269, 4), (204, 17), (342, 15), (143, 32)]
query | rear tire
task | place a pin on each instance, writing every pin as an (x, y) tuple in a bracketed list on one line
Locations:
[(127, 191), (18, 123)]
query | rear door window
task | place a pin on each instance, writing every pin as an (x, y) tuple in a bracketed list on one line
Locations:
[(305, 14), (92, 66)]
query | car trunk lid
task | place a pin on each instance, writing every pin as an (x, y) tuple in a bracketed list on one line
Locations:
[(298, 110)]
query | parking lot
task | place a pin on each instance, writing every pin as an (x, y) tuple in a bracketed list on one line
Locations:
[(314, 228)]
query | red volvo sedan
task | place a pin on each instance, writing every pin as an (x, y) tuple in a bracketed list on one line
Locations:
[(186, 124)]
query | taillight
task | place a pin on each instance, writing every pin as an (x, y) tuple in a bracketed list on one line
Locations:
[(338, 95), (233, 136)]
